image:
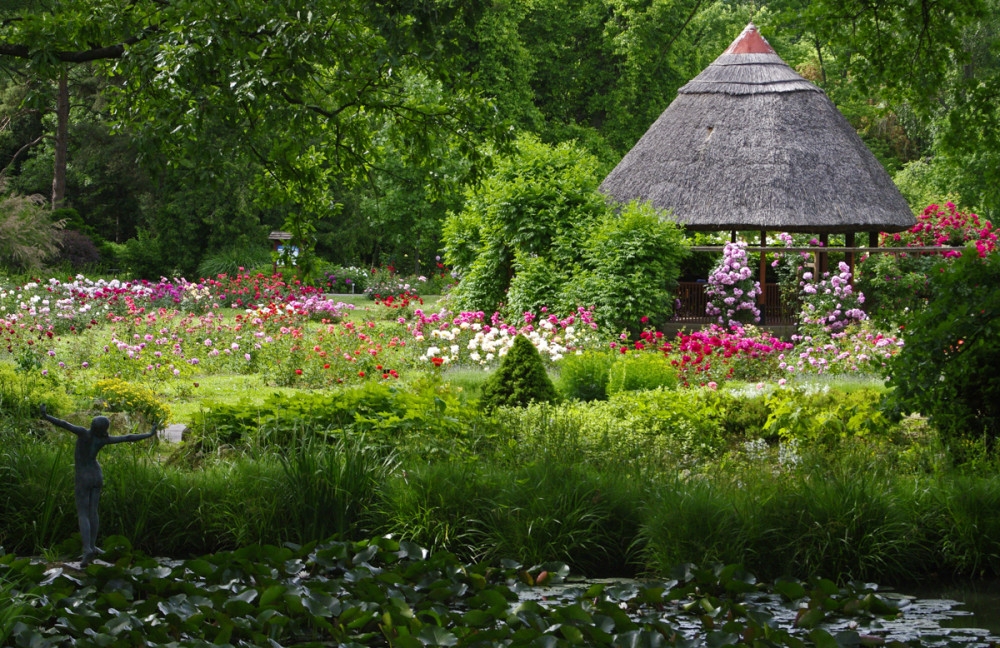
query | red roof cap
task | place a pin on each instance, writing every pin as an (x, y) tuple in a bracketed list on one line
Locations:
[(750, 42)]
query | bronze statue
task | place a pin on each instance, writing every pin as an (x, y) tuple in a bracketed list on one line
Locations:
[(89, 479)]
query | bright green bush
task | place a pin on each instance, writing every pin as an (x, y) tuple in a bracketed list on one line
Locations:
[(655, 429), (538, 233), (23, 390), (639, 371), (585, 376), (422, 419), (632, 261), (519, 380), (826, 416), (537, 283), (536, 202)]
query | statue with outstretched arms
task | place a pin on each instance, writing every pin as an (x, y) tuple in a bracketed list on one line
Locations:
[(89, 479)]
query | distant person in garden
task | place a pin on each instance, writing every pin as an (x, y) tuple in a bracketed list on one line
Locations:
[(89, 479)]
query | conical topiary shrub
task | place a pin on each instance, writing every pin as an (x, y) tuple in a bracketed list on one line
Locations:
[(519, 380)]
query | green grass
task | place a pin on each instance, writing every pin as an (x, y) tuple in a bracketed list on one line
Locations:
[(844, 382), (187, 397), (467, 380)]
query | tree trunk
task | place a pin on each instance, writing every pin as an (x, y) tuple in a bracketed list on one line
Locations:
[(62, 138)]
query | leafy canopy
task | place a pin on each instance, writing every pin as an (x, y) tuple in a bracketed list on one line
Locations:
[(298, 87)]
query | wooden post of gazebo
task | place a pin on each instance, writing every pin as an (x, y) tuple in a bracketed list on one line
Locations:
[(849, 255), (762, 297), (824, 256)]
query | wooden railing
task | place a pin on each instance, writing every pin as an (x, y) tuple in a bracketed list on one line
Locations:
[(692, 298)]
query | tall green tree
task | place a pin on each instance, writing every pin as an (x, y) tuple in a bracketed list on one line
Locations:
[(297, 86)]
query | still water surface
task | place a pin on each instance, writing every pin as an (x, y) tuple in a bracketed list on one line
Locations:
[(952, 616)]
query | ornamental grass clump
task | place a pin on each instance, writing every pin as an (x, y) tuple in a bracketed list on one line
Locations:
[(519, 380), (732, 293)]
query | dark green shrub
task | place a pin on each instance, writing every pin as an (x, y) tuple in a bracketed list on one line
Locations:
[(641, 371), (585, 377), (76, 251), (947, 368), (519, 380), (233, 260)]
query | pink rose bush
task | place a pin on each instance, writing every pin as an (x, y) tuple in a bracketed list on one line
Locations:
[(732, 292), (946, 226), (831, 304)]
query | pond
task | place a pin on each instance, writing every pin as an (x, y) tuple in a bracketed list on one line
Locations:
[(954, 615), (975, 604), (362, 593)]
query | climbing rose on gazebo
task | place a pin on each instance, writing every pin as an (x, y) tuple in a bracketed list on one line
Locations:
[(947, 226), (732, 292)]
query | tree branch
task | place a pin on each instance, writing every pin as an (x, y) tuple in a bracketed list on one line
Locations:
[(79, 56), (3, 171), (694, 10)]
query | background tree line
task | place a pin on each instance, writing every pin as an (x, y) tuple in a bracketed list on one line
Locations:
[(171, 135)]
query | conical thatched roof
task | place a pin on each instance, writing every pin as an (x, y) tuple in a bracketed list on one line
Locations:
[(750, 144)]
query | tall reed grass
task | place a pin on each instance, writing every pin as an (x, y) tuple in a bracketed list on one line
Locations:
[(313, 492), (533, 513), (850, 514)]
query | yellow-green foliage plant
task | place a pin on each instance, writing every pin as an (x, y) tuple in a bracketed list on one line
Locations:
[(117, 395), (585, 376)]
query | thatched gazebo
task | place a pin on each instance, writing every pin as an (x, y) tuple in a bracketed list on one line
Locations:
[(749, 144)]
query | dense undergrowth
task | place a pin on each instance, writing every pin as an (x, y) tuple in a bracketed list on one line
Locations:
[(787, 481)]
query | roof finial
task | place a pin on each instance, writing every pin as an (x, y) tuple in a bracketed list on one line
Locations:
[(750, 42)]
